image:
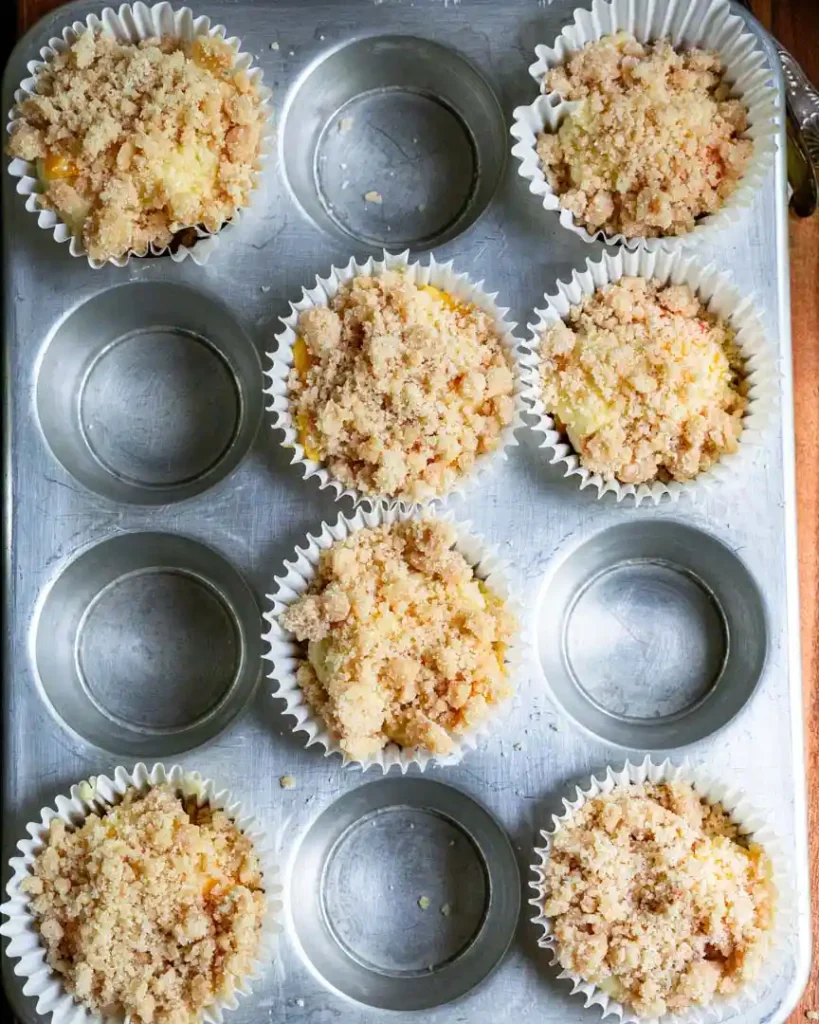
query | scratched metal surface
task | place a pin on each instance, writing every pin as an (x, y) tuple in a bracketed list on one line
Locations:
[(254, 516)]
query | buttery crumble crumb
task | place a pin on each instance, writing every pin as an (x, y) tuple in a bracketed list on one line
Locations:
[(151, 911), (654, 141), (646, 382), (655, 897), (399, 387), (135, 142), (404, 644)]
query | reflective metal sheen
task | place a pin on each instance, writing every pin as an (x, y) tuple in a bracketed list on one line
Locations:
[(149, 505)]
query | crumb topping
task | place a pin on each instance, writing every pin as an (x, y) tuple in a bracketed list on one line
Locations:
[(654, 142), (646, 382), (136, 142), (151, 911), (404, 643), (655, 897), (399, 387)]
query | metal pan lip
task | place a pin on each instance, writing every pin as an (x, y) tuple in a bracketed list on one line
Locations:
[(466, 813)]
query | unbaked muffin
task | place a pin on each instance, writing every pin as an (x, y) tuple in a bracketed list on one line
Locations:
[(654, 141), (399, 387), (653, 895), (402, 643), (647, 384), (151, 911), (135, 143)]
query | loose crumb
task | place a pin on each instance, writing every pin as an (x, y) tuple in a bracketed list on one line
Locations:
[(645, 381), (287, 782), (373, 197), (446, 909), (137, 142), (344, 125), (812, 1014), (423, 902), (274, 46), (404, 644), (399, 387), (654, 142), (656, 898), (152, 911)]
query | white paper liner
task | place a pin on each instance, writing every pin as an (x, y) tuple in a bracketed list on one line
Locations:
[(439, 275), (131, 23), (97, 795), (720, 296), (751, 824), (285, 652), (708, 24)]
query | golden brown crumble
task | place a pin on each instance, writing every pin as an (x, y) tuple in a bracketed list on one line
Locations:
[(404, 643), (135, 142), (152, 911), (654, 897), (399, 386), (653, 143), (645, 381)]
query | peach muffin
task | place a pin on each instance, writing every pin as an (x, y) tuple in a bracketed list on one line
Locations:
[(151, 911), (403, 643), (137, 142), (654, 141), (647, 384), (655, 897), (399, 387)]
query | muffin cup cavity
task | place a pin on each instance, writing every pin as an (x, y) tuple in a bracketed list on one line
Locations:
[(721, 297), (438, 275), (132, 23), (708, 24), (356, 877), (147, 643), (285, 652), (96, 796), (751, 823)]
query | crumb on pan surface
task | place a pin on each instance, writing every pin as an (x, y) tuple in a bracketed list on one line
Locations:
[(398, 387), (137, 141), (646, 382), (404, 643), (151, 911), (654, 142), (654, 897)]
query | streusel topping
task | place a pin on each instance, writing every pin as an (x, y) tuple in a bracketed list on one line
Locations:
[(404, 643), (151, 911), (135, 142), (646, 382), (399, 387), (654, 141), (655, 897)]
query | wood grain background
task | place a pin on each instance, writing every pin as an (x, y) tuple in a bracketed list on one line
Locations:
[(796, 24)]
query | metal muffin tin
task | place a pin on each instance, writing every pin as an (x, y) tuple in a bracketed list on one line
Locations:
[(148, 509)]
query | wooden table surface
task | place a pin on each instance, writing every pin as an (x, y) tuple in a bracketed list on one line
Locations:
[(796, 24)]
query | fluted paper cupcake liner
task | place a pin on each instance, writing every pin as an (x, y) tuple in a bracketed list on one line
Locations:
[(720, 296), (132, 23), (708, 24), (285, 653), (439, 275), (96, 796), (751, 824)]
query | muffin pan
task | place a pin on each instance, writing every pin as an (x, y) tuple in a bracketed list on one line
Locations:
[(148, 512)]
